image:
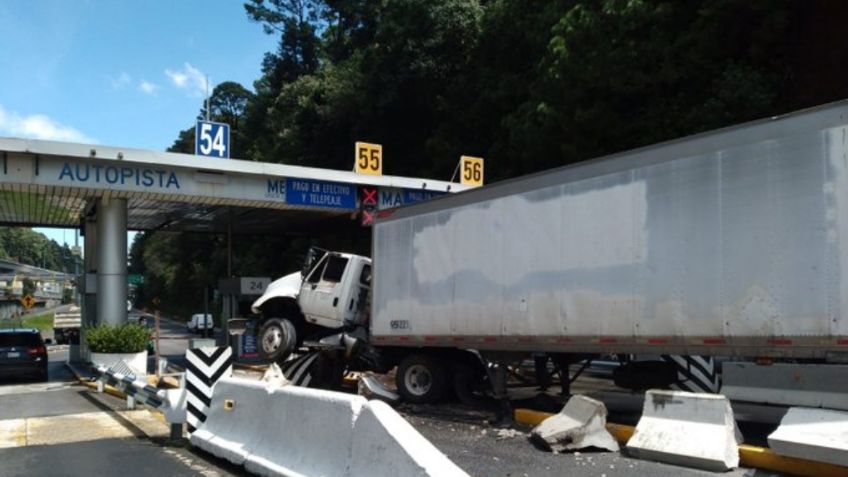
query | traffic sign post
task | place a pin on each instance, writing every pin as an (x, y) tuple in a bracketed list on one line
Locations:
[(471, 171), (367, 205), (212, 139), (28, 301), (368, 158)]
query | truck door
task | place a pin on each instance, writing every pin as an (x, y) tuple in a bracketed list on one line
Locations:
[(357, 310), (320, 296)]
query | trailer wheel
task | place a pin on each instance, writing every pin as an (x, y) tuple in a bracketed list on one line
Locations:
[(277, 338), (422, 379)]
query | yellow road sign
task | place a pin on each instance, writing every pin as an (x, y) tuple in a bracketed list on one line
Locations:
[(28, 301), (368, 158), (471, 171)]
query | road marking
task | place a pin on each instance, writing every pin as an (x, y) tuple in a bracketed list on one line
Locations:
[(12, 433), (34, 388), (89, 426)]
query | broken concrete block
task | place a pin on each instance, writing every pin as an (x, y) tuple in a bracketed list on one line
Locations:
[(274, 376), (371, 388), (580, 424)]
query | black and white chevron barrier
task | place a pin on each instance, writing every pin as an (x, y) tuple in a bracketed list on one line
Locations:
[(205, 367), (695, 374), (297, 369)]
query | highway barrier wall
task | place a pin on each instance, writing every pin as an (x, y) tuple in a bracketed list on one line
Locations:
[(691, 429), (295, 431), (817, 434)]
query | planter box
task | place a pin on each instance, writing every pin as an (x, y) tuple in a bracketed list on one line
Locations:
[(136, 361)]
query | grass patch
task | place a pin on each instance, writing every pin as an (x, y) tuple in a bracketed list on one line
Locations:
[(41, 322)]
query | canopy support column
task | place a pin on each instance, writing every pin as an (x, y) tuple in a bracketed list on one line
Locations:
[(111, 261)]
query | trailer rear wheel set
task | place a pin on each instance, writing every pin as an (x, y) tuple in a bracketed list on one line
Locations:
[(422, 378)]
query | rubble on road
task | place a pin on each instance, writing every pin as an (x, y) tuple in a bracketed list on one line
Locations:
[(580, 424), (372, 388), (274, 376)]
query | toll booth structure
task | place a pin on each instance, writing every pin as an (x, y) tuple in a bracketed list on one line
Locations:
[(106, 191)]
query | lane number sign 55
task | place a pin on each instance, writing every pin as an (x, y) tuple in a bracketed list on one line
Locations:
[(471, 171), (212, 139), (369, 158)]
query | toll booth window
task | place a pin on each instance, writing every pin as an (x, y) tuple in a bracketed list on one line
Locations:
[(365, 276), (335, 269), (317, 271)]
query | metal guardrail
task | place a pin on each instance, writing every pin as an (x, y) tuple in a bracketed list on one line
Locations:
[(125, 381)]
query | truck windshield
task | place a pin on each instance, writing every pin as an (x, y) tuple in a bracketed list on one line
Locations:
[(335, 269), (317, 271)]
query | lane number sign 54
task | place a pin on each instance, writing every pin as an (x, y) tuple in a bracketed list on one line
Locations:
[(212, 139), (471, 171), (369, 158)]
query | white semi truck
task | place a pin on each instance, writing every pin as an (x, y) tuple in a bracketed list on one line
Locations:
[(730, 243)]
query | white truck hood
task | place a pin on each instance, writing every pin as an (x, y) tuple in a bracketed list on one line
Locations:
[(286, 287)]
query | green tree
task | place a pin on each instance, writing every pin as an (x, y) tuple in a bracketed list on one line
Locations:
[(28, 286), (228, 104)]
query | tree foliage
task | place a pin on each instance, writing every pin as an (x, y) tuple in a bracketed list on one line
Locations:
[(24, 245), (527, 85)]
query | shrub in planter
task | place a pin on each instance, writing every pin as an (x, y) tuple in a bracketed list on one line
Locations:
[(110, 344), (126, 338)]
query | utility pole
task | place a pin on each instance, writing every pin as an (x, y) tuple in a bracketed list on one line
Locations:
[(208, 100)]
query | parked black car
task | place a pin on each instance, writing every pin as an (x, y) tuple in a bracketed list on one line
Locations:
[(22, 353)]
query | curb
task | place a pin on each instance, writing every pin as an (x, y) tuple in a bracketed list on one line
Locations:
[(85, 382), (251, 367), (749, 456)]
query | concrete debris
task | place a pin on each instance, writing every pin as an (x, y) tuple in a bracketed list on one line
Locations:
[(580, 424), (274, 376), (508, 433), (372, 388)]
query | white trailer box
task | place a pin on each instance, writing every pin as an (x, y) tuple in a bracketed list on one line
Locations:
[(732, 242)]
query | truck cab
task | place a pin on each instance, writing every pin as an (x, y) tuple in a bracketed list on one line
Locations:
[(329, 293)]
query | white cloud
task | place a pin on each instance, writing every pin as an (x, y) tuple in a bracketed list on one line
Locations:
[(147, 87), (38, 126), (123, 80), (190, 79)]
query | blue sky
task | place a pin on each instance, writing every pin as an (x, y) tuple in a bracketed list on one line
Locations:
[(116, 72)]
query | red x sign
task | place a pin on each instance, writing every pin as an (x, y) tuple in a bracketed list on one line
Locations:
[(369, 195), (368, 217)]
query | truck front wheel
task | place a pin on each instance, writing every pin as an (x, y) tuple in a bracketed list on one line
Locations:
[(422, 379), (277, 338)]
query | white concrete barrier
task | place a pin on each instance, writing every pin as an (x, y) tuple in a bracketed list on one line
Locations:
[(580, 424), (386, 445), (813, 434), (304, 432), (226, 432), (690, 429), (295, 431)]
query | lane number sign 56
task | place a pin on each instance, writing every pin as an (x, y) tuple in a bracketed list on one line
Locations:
[(471, 171), (212, 139), (369, 158)]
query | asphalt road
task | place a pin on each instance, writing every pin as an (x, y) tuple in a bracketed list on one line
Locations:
[(465, 436), (64, 429), (64, 410), (173, 344)]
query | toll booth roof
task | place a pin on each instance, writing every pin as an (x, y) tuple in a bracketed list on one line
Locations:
[(52, 184)]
